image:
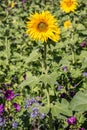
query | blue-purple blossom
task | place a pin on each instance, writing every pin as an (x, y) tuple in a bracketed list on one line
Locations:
[(9, 84), (2, 121), (34, 112), (17, 107), (9, 94), (15, 78), (84, 74), (17, 94), (64, 68), (30, 102), (71, 120), (42, 115), (1, 109), (60, 87), (15, 125)]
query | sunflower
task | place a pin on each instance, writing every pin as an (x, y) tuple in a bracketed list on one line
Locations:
[(67, 24), (68, 5), (43, 26)]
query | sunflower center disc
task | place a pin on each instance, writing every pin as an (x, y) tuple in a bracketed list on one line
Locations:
[(69, 3), (42, 26)]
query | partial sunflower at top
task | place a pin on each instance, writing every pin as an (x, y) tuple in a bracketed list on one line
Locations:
[(68, 5), (43, 26)]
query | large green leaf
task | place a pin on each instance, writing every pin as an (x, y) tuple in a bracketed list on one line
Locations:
[(30, 81), (49, 78), (61, 109), (79, 102), (33, 56), (44, 109)]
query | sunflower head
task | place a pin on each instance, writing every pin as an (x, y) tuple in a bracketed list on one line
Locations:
[(43, 26), (68, 5), (67, 24)]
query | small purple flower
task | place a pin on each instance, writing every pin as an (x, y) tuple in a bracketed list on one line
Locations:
[(73, 85), (1, 109), (82, 128), (64, 68), (3, 85), (15, 125), (1, 121), (83, 44), (9, 94), (25, 76), (23, 1), (9, 84), (84, 74), (72, 120), (17, 94), (30, 102), (15, 78), (42, 115), (16, 106), (72, 93), (60, 87), (35, 112), (63, 95)]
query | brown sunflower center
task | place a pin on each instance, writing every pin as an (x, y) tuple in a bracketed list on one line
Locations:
[(69, 3), (42, 26)]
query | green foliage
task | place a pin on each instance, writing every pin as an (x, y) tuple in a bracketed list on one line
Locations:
[(79, 102), (38, 76)]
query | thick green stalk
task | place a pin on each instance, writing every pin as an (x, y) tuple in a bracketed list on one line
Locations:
[(45, 55), (46, 87)]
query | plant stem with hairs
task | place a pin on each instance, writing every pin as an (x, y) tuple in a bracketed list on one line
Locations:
[(46, 85)]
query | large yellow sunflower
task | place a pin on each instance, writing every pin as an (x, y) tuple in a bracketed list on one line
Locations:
[(68, 5), (43, 26)]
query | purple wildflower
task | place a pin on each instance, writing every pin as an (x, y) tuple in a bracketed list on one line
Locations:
[(83, 44), (84, 74), (23, 1), (9, 84), (1, 109), (25, 76), (9, 94), (15, 125), (63, 95), (64, 68), (42, 115), (2, 121), (3, 85), (15, 78), (29, 102), (72, 93), (82, 128), (17, 94), (60, 87), (71, 120), (16, 106), (35, 112)]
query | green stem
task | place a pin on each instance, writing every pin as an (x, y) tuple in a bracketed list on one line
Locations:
[(73, 54), (47, 87), (45, 54), (48, 97)]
